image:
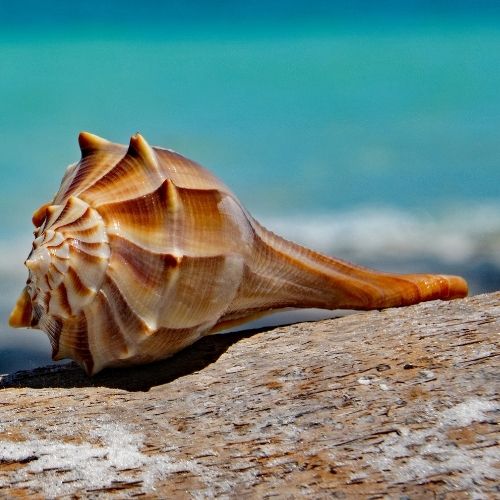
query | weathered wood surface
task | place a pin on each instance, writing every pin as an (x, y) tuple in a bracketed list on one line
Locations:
[(400, 403)]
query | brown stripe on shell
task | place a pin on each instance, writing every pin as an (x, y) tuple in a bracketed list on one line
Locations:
[(349, 286), (84, 221), (148, 269), (346, 286), (58, 304), (89, 228), (129, 178), (205, 286), (87, 236), (62, 292), (55, 241), (150, 220), (47, 237), (60, 264), (89, 258), (105, 338), (169, 292), (260, 291), (89, 170), (53, 270), (72, 342), (52, 327), (55, 276), (142, 343), (60, 254), (145, 210), (40, 215), (92, 249), (186, 173), (77, 286), (53, 213), (93, 266), (53, 248), (133, 327), (193, 222), (143, 277), (73, 213), (38, 312)]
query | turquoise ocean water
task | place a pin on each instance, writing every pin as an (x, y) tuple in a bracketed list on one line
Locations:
[(369, 135)]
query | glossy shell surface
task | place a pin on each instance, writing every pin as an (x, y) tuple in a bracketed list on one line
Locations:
[(142, 251)]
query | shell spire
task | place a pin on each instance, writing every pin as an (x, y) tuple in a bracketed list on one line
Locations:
[(142, 252)]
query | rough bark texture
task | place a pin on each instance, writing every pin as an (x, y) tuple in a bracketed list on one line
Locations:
[(399, 403)]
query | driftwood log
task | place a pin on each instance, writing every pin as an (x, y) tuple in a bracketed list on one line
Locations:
[(399, 403)]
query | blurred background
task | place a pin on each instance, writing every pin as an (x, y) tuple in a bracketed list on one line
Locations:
[(366, 130)]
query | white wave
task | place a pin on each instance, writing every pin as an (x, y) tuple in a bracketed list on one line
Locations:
[(453, 235)]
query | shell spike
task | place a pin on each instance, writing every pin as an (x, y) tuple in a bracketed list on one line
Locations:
[(90, 143), (171, 194), (21, 314), (139, 147), (40, 215)]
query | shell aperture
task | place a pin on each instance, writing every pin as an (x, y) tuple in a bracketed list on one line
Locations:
[(142, 252)]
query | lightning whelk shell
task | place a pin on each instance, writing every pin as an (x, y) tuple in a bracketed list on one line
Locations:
[(142, 252)]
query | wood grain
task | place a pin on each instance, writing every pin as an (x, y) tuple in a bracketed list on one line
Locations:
[(397, 403)]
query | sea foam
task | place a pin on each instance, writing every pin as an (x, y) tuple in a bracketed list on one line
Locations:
[(379, 234)]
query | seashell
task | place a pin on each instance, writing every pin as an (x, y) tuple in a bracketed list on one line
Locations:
[(142, 252)]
